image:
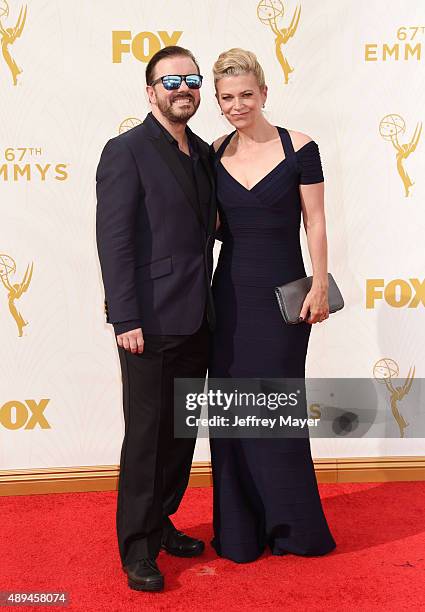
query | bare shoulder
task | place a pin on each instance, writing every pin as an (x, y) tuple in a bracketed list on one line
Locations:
[(299, 139), (218, 142)]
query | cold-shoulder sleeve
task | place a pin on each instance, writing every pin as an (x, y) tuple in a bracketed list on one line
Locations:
[(309, 164)]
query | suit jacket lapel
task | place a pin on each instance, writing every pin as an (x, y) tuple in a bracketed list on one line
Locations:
[(206, 163)]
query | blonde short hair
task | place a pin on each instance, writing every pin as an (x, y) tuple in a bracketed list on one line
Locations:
[(238, 61)]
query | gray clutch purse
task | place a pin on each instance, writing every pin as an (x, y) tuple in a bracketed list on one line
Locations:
[(291, 297)]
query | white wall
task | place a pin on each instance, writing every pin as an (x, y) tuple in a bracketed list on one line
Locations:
[(71, 98)]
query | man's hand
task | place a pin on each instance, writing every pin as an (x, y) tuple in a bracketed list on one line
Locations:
[(132, 341)]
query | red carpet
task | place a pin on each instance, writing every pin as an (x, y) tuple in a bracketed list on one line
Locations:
[(67, 542)]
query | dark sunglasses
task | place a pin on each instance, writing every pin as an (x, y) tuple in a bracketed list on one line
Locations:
[(174, 81)]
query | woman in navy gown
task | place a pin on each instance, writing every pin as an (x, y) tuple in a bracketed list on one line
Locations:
[(265, 490)]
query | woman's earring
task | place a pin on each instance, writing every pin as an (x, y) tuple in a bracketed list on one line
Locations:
[(222, 113)]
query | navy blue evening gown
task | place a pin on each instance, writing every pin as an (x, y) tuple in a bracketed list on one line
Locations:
[(265, 490)]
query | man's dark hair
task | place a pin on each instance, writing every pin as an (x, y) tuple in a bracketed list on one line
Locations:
[(173, 51)]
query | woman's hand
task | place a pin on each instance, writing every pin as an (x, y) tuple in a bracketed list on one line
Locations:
[(316, 302)]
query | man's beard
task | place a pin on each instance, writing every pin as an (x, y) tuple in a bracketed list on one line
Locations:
[(175, 114)]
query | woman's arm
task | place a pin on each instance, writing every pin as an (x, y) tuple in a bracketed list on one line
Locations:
[(313, 210)]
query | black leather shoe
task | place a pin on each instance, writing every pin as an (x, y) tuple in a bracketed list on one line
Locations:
[(144, 575), (179, 544)]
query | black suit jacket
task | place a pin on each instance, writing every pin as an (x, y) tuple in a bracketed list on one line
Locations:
[(154, 243)]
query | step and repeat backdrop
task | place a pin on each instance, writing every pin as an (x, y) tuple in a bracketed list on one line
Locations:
[(350, 73)]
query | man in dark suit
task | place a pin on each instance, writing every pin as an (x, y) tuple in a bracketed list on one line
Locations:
[(155, 233)]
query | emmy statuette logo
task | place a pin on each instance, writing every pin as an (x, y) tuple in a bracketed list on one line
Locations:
[(128, 124), (384, 371), (268, 12), (14, 290), (8, 35), (391, 128)]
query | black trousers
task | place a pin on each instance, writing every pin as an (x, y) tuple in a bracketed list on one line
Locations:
[(154, 467)]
